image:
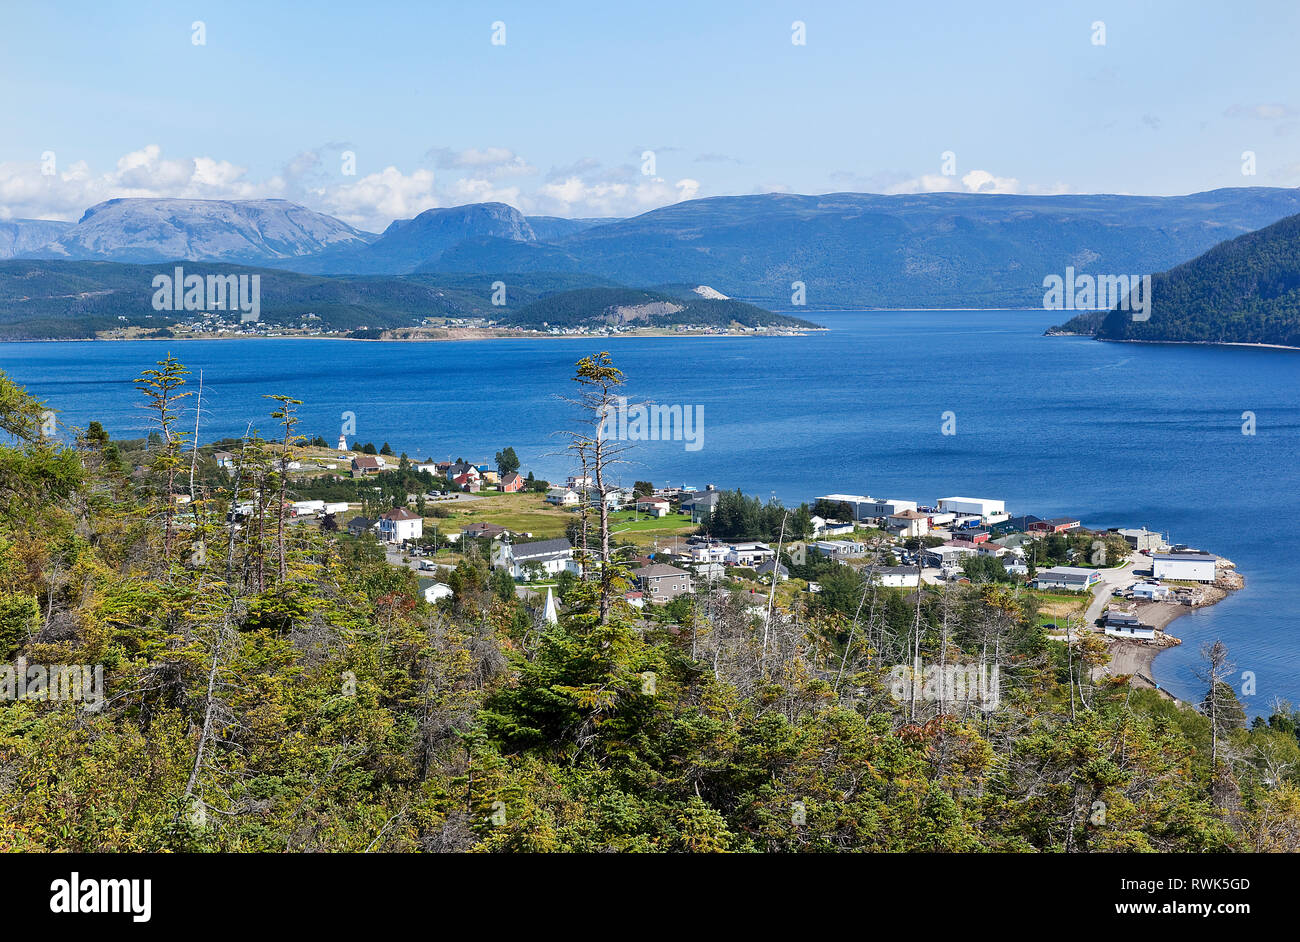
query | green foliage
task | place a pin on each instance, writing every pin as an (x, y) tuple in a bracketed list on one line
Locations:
[(737, 517), (319, 705), (1243, 290)]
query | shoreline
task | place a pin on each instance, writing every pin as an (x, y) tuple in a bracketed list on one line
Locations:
[(1173, 343), (1195, 343), (1137, 658), (471, 335)]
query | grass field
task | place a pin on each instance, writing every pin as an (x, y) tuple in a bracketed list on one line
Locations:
[(521, 512), (1051, 606), (529, 513)]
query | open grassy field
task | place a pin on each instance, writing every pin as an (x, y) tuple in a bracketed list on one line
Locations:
[(1052, 606), (529, 513), (522, 512), (644, 531)]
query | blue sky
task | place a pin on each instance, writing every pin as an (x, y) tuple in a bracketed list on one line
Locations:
[(556, 119)]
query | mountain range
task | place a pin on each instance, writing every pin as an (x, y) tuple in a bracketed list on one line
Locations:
[(849, 250)]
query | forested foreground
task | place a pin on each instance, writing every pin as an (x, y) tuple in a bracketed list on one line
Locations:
[(276, 687)]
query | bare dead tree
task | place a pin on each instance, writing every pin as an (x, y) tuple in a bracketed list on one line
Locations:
[(599, 382), (287, 418), (1215, 673)]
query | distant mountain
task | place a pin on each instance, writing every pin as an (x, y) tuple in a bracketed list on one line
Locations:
[(1244, 290), (847, 250), (155, 230), (632, 307), (547, 228), (410, 244), (26, 235), (865, 250)]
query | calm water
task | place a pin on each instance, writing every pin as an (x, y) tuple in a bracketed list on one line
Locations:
[(1117, 434)]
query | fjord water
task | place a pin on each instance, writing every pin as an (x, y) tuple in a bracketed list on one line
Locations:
[(1115, 434)]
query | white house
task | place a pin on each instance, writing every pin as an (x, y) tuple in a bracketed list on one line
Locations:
[(652, 506), (824, 527), (909, 523), (951, 553), (749, 554), (897, 577), (521, 559), (400, 525), (437, 591), (709, 552), (1121, 625), (1076, 578), (562, 497), (840, 549), (1150, 590), (1190, 567)]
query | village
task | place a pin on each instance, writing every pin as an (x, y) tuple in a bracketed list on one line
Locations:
[(1124, 584)]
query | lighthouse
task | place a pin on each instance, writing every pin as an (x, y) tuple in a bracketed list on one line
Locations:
[(343, 443)]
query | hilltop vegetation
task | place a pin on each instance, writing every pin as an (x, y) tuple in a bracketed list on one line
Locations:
[(279, 687), (1245, 290), (65, 300)]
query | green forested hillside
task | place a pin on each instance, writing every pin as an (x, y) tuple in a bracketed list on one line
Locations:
[(279, 687), (1245, 290), (68, 300)]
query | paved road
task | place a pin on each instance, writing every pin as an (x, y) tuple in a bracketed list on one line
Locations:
[(1111, 579), (394, 557)]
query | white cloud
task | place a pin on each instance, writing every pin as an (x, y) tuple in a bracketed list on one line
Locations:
[(315, 178), (73, 188), (574, 196), (373, 201), (490, 161), (975, 181), (1269, 112)]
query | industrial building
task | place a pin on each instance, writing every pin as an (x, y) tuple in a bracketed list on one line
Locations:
[(869, 508), (979, 506), (1188, 567)]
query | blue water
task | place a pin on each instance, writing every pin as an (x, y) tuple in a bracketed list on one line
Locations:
[(1117, 434)]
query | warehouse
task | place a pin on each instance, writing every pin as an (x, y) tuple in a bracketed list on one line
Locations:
[(979, 506), (1188, 567)]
